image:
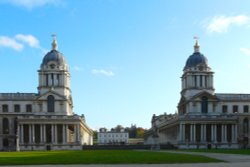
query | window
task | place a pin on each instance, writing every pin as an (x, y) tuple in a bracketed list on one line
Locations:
[(51, 103), (201, 81), (28, 108), (52, 79), (5, 108), (5, 126), (224, 109), (47, 80), (204, 105), (195, 81), (235, 109), (58, 79), (16, 108), (246, 109)]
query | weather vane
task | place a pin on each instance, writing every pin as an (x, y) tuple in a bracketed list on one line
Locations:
[(54, 43), (196, 38), (53, 35), (196, 46)]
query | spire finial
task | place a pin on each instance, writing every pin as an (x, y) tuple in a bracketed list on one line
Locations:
[(54, 43), (196, 46)]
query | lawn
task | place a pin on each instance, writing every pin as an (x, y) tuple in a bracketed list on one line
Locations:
[(225, 151), (98, 157)]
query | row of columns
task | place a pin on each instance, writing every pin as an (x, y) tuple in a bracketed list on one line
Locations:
[(54, 133), (205, 81), (203, 132)]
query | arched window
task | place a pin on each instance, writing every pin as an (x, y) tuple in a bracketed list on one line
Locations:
[(5, 126), (245, 126), (204, 104), (51, 103)]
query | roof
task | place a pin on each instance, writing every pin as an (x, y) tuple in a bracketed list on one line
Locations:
[(17, 96), (55, 56), (195, 59), (233, 97)]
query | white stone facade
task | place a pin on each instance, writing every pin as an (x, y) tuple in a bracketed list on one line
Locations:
[(44, 120), (104, 138), (205, 119)]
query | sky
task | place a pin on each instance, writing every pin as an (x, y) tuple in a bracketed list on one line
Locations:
[(126, 56)]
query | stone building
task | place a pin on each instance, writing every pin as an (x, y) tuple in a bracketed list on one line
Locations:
[(44, 120), (205, 119), (105, 137)]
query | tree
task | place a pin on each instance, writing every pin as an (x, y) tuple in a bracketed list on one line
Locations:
[(140, 132)]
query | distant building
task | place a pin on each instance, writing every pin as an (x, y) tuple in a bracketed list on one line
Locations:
[(205, 119), (105, 137), (43, 120)]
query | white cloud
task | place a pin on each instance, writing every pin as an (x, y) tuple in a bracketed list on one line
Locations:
[(108, 73), (31, 3), (246, 51), (19, 41), (220, 24), (29, 39), (10, 43)]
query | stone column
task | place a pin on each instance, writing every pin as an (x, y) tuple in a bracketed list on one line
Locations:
[(226, 133), (183, 132), (191, 132), (56, 133), (44, 133), (33, 133), (215, 133), (52, 134), (75, 134), (212, 132), (198, 81), (205, 133), (78, 132), (203, 81), (222, 134), (63, 133), (41, 133), (233, 133), (236, 132), (21, 134), (194, 126), (30, 134), (180, 132)]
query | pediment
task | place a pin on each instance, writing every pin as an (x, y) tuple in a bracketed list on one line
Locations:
[(199, 96), (56, 95)]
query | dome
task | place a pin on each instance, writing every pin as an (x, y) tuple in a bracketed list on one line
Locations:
[(196, 59), (54, 56)]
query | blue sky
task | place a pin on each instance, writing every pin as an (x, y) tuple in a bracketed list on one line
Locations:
[(126, 56)]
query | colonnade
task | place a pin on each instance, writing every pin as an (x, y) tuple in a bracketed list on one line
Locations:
[(199, 133), (48, 133)]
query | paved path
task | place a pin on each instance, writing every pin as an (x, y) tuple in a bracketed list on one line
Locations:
[(232, 158), (237, 164)]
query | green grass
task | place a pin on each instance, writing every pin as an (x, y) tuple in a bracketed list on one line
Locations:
[(98, 157), (225, 151)]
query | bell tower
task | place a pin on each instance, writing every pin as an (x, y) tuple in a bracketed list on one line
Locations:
[(54, 73), (197, 75)]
